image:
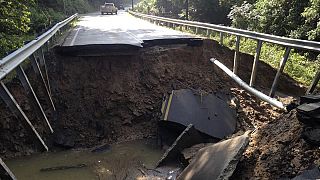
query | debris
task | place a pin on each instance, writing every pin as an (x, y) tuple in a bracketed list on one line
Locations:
[(208, 113), (142, 171), (58, 168), (187, 138), (217, 161), (103, 148), (309, 174)]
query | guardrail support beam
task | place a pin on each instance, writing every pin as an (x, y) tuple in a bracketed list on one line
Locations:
[(5, 167), (255, 63), (38, 72), (280, 70), (314, 83), (16, 110), (221, 38), (43, 64), (236, 56), (32, 96)]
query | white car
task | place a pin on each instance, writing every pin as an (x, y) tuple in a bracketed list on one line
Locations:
[(108, 8)]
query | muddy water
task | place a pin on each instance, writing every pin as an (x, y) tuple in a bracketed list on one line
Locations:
[(121, 161)]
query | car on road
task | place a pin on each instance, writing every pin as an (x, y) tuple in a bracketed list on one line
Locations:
[(121, 7), (108, 8)]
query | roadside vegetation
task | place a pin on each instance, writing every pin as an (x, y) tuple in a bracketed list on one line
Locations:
[(23, 20), (294, 19)]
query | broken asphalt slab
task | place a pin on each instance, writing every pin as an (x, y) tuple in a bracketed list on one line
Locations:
[(208, 113), (187, 138), (309, 99), (217, 161)]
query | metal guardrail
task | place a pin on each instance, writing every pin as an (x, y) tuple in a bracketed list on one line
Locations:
[(293, 43), (34, 51), (10, 62), (288, 43)]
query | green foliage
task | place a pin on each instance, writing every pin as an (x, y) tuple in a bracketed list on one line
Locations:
[(294, 18), (311, 27), (22, 20), (147, 7), (14, 23), (208, 11)]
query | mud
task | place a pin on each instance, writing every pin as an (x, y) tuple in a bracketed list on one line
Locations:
[(118, 98)]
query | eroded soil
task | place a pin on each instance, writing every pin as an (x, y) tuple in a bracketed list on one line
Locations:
[(118, 98)]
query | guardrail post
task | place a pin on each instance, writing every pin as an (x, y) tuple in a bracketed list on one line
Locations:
[(48, 46), (282, 65), (32, 96), (43, 64), (221, 38), (5, 167), (197, 30), (207, 33), (37, 70), (16, 110), (255, 63), (314, 83), (236, 56)]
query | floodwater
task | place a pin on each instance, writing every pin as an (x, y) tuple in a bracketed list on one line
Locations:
[(122, 161)]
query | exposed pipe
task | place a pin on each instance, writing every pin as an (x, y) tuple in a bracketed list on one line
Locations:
[(243, 84)]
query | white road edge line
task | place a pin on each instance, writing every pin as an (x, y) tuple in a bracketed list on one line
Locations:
[(134, 37), (75, 36)]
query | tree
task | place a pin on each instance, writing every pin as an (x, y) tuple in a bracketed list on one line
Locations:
[(14, 22)]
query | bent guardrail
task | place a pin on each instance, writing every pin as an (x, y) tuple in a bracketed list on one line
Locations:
[(288, 43), (33, 51)]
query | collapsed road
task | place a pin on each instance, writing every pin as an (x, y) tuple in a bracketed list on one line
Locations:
[(109, 89)]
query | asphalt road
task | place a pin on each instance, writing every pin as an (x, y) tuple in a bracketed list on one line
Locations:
[(97, 29)]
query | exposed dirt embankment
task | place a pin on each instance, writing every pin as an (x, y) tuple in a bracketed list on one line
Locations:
[(118, 98)]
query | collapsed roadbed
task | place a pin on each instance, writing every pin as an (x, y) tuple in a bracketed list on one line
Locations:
[(111, 99)]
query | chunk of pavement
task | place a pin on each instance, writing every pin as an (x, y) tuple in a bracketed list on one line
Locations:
[(309, 174), (207, 112), (217, 161), (190, 152), (190, 136), (309, 108), (310, 99)]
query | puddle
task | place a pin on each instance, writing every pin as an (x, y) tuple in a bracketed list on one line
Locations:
[(122, 161)]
